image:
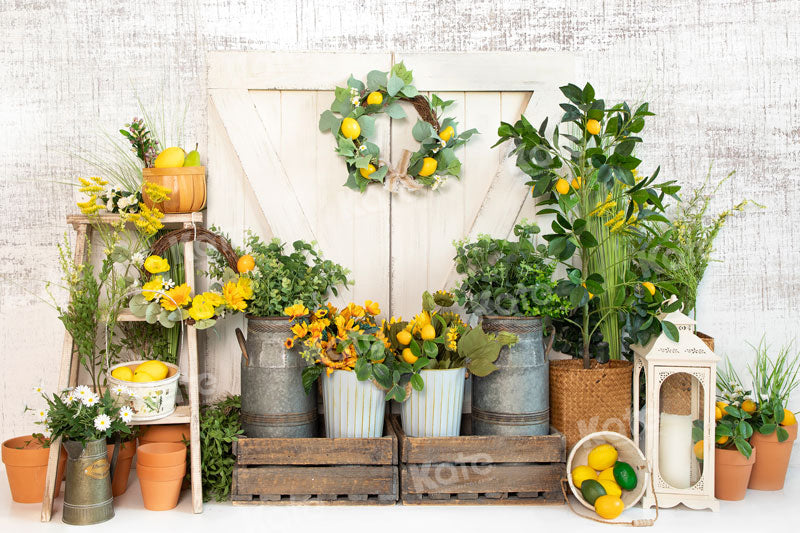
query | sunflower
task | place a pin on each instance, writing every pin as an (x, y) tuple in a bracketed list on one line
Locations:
[(289, 343)]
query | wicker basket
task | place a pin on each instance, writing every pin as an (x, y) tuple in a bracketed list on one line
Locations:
[(584, 401), (187, 186)]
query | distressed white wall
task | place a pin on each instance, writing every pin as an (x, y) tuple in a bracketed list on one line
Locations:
[(722, 76)]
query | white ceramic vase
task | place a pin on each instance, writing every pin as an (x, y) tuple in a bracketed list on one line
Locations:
[(436, 410), (353, 409)]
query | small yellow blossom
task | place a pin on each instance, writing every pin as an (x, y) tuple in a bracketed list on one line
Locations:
[(179, 296), (372, 308), (201, 308), (234, 297), (295, 310), (156, 264), (149, 288), (245, 286), (156, 193), (214, 298)]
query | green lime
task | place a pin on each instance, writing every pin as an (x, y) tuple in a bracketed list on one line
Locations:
[(591, 490), (625, 476)]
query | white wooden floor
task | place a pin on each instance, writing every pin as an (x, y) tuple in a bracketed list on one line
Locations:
[(761, 511)]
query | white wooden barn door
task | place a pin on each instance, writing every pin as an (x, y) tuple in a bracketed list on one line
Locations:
[(273, 171)]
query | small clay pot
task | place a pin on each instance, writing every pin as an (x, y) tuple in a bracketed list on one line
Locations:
[(732, 473), (161, 487), (162, 454), (769, 470), (26, 468), (119, 483), (164, 433)]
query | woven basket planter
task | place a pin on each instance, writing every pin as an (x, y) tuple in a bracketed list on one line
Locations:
[(584, 401)]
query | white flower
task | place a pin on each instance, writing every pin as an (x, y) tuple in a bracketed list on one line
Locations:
[(355, 101), (437, 182), (169, 284), (362, 148), (38, 389), (90, 400), (126, 413), (131, 394), (353, 91), (435, 150), (442, 143), (70, 398), (138, 258), (119, 390), (81, 391), (102, 422), (41, 415)]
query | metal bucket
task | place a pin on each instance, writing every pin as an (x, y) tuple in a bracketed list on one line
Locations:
[(514, 400), (274, 403), (87, 495)]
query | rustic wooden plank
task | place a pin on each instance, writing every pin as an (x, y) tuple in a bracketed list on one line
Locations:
[(315, 480), (194, 385), (495, 478), (285, 451), (76, 220)]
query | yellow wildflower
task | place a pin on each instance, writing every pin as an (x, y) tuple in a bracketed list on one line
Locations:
[(156, 193), (293, 311), (300, 330), (616, 218), (245, 286), (452, 337), (90, 206), (233, 296), (214, 298), (177, 297), (156, 264), (149, 288), (201, 308), (321, 313), (372, 308)]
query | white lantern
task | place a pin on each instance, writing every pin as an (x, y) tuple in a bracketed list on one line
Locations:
[(681, 383)]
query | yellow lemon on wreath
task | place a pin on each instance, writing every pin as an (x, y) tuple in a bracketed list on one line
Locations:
[(142, 377), (698, 449), (123, 373), (581, 474), (404, 337), (592, 126), (429, 165), (722, 440), (428, 332), (611, 487), (366, 172), (608, 506), (409, 357), (170, 158), (246, 263), (788, 418), (749, 407), (375, 98), (649, 287), (156, 369), (608, 474), (602, 457), (562, 186), (576, 182), (351, 128), (447, 133)]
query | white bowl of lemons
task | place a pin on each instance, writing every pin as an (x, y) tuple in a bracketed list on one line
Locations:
[(147, 387)]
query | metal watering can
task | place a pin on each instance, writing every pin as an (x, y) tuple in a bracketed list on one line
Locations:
[(87, 495)]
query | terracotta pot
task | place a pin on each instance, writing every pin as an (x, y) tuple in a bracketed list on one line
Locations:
[(769, 470), (162, 454), (26, 468), (161, 487), (732, 473), (164, 433), (119, 483), (187, 188)]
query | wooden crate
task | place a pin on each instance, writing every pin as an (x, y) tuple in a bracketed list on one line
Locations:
[(316, 471), (475, 470)]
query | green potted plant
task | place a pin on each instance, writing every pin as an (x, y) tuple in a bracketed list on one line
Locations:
[(509, 285), (271, 367), (734, 455), (586, 175), (219, 428)]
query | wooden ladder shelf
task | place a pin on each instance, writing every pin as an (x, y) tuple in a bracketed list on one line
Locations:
[(68, 376)]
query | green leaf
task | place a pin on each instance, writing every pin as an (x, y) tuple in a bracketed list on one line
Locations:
[(767, 429), (376, 79), (367, 124), (417, 382), (400, 70), (362, 369), (151, 312), (744, 447), (310, 375), (625, 148), (355, 84), (382, 375), (481, 367), (205, 324), (576, 296), (394, 86), (328, 121), (138, 305), (670, 330), (587, 240), (430, 349), (422, 131), (409, 91), (395, 110), (120, 254), (163, 319)]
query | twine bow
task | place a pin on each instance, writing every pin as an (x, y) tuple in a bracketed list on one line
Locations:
[(399, 175)]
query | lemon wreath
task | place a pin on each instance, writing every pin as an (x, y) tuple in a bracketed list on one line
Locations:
[(356, 106)]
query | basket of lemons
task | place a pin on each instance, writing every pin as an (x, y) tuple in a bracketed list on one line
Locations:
[(147, 387), (607, 473)]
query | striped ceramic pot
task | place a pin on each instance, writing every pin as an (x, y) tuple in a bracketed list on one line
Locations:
[(353, 409), (436, 410)]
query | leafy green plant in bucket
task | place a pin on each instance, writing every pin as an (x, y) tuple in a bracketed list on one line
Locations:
[(219, 428)]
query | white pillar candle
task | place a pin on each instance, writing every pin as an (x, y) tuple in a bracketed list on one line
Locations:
[(675, 449)]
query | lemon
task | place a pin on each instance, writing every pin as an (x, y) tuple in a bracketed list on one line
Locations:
[(602, 457), (749, 407), (608, 474), (351, 128), (698, 449), (592, 126), (156, 369), (170, 158), (722, 406), (429, 165), (141, 376), (788, 418), (717, 413), (576, 183), (609, 507), (122, 373), (649, 287), (612, 489), (722, 440), (375, 98), (404, 337), (409, 357), (562, 186), (428, 332), (447, 133), (581, 474), (366, 172)]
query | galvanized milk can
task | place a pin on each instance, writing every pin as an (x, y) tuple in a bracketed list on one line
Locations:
[(87, 495), (514, 400), (274, 403)]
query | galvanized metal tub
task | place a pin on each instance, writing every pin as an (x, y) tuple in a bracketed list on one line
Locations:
[(514, 400), (87, 495), (274, 403)]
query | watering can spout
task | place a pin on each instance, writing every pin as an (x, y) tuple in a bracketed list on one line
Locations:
[(242, 346)]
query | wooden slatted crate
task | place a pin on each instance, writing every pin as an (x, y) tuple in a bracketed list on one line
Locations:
[(474, 470), (316, 471)]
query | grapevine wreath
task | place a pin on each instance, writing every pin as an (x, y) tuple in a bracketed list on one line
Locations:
[(356, 106)]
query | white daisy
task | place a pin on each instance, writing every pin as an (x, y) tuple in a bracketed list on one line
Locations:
[(81, 391), (41, 415), (126, 413), (119, 390), (355, 101), (138, 258), (353, 91), (442, 143), (362, 148), (90, 400), (102, 422), (38, 389), (69, 398), (169, 284), (435, 150)]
